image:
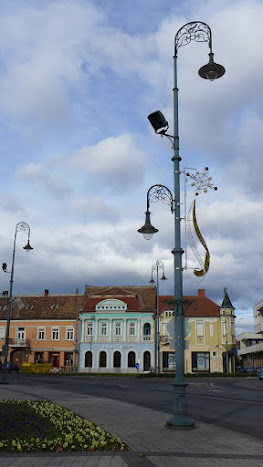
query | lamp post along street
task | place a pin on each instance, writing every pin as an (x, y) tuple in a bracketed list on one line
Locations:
[(155, 267), (76, 331), (199, 32), (22, 227)]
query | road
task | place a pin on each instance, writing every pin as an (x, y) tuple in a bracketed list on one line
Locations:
[(235, 403)]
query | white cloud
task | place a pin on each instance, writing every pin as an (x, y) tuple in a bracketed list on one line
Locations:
[(40, 176), (118, 161)]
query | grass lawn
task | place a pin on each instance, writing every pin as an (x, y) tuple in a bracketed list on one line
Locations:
[(33, 426)]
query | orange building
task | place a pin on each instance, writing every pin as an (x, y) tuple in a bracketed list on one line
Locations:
[(42, 329)]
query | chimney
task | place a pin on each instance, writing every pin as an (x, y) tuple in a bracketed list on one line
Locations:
[(201, 292), (46, 292), (5, 292)]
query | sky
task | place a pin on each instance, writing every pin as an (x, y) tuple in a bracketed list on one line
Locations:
[(78, 79)]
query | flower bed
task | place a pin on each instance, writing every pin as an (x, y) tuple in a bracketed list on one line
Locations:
[(33, 426)]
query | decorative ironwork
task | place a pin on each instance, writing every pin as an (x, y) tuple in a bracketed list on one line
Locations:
[(197, 31), (200, 181), (22, 227), (159, 193)]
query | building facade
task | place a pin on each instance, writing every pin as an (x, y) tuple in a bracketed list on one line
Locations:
[(250, 344), (42, 329), (209, 334), (117, 330)]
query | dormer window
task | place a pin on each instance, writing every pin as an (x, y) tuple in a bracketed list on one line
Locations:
[(111, 304)]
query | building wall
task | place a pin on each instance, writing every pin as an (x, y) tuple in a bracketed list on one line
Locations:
[(140, 343), (205, 346), (26, 344)]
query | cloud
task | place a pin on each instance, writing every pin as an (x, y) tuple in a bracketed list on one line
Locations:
[(117, 162), (40, 176)]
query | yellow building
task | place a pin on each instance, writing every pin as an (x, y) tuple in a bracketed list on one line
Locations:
[(209, 331)]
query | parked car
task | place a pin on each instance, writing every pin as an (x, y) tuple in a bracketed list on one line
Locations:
[(249, 369), (260, 372), (10, 367), (240, 369)]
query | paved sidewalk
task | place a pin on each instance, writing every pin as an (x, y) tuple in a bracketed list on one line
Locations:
[(150, 442)]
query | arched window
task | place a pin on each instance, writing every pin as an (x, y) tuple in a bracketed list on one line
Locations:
[(146, 361), (103, 359), (131, 359), (117, 359), (147, 332), (88, 359)]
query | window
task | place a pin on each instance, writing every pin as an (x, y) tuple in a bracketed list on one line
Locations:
[(200, 361), (55, 334), (117, 359), (89, 328), (2, 333), (103, 329), (164, 331), (224, 327), (21, 333), (211, 330), (88, 359), (117, 328), (131, 360), (70, 334), (147, 332), (68, 359), (39, 357), (103, 359), (199, 329), (41, 334), (132, 328)]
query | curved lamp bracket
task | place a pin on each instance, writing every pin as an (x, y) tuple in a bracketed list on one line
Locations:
[(194, 31), (160, 193)]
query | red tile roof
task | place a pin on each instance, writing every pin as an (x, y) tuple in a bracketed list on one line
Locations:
[(136, 298), (200, 306), (53, 307), (63, 306)]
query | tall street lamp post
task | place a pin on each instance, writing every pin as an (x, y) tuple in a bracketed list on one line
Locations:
[(155, 267), (20, 227), (199, 32)]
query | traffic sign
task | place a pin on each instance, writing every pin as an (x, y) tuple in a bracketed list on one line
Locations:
[(137, 366)]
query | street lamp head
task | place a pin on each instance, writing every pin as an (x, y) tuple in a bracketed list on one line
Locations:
[(147, 229), (212, 70), (163, 278), (158, 122), (28, 247), (151, 281)]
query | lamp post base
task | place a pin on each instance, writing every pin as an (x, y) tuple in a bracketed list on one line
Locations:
[(180, 422), (180, 419)]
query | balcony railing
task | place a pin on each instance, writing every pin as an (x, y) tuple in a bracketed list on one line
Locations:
[(19, 342)]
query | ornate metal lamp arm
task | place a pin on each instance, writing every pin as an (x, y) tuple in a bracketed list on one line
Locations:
[(160, 193), (193, 31)]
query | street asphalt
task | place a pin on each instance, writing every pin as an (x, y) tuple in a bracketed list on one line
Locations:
[(149, 442)]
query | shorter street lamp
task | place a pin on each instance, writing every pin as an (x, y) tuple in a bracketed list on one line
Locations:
[(20, 227), (155, 267)]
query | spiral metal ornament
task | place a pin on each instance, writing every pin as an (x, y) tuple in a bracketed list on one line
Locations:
[(194, 31)]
